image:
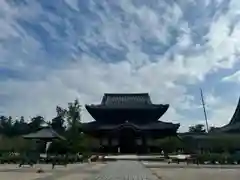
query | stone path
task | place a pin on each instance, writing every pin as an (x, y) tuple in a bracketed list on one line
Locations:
[(124, 170)]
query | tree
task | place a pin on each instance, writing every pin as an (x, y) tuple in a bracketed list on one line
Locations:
[(6, 125), (73, 115), (35, 123), (58, 122), (212, 129), (199, 128)]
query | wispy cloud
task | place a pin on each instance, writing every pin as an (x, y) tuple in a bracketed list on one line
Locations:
[(235, 77), (55, 51)]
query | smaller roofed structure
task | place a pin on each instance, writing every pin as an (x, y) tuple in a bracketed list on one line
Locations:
[(45, 133)]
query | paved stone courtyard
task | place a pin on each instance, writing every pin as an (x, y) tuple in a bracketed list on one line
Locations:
[(196, 174), (117, 170), (124, 170), (71, 172)]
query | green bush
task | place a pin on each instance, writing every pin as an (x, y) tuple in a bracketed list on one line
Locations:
[(230, 159), (58, 147), (213, 158), (10, 158), (236, 157)]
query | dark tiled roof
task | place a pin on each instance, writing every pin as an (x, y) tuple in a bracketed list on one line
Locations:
[(159, 125), (126, 99), (44, 133), (207, 135), (230, 128)]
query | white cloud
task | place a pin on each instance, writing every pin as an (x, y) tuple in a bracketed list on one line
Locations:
[(222, 115), (233, 78), (88, 80), (166, 67), (73, 4)]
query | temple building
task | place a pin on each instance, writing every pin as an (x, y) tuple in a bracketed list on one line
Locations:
[(205, 140), (128, 123)]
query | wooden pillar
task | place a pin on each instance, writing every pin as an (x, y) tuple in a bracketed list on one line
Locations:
[(115, 144), (144, 150), (139, 144)]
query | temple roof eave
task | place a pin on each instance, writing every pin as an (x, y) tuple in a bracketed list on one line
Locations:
[(154, 112), (229, 128), (159, 125), (162, 107)]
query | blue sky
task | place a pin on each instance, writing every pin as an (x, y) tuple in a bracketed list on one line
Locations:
[(55, 51)]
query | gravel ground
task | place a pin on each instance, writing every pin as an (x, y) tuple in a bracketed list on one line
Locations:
[(71, 172), (196, 174), (119, 170)]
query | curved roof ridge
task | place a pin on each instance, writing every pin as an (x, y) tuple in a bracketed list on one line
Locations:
[(125, 94), (236, 116)]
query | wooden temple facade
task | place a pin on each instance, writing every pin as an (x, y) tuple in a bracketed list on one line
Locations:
[(128, 123)]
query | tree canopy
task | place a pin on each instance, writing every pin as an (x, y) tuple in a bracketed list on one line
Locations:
[(67, 123), (198, 128)]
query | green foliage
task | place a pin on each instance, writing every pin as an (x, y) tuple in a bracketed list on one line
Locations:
[(67, 123), (206, 157), (199, 128), (6, 157), (17, 127), (14, 144), (59, 121), (170, 144), (212, 129), (76, 141), (59, 147), (213, 142), (222, 158), (73, 118), (88, 143)]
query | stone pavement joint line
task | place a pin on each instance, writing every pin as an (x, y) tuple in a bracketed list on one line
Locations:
[(124, 170)]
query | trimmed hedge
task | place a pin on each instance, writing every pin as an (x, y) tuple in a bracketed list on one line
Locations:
[(214, 158), (34, 158)]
